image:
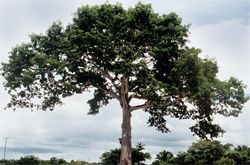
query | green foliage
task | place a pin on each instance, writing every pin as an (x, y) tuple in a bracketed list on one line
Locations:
[(225, 161), (8, 162), (78, 162), (31, 160), (138, 156), (237, 156), (106, 44), (113, 156), (163, 157), (179, 158), (200, 152), (56, 161), (206, 151), (243, 148)]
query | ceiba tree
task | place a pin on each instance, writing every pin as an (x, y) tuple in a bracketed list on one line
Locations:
[(127, 55)]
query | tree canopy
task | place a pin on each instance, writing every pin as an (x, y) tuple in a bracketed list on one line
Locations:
[(205, 152), (106, 43)]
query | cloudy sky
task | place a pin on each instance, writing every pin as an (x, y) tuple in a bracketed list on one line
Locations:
[(221, 28)]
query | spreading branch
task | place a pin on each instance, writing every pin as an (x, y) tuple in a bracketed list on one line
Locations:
[(109, 92), (133, 96), (138, 107), (104, 73)]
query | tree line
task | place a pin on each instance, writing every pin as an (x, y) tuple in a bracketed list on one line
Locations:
[(206, 152), (33, 160), (200, 152)]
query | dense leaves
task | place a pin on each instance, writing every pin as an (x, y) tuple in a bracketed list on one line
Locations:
[(113, 156), (206, 152), (32, 160), (164, 157), (106, 45)]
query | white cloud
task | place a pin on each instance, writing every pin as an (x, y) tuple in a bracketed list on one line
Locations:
[(228, 42), (237, 129)]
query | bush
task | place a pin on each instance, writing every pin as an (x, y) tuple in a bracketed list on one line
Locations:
[(29, 160), (225, 161)]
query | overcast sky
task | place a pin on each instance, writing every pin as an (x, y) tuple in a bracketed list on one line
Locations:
[(221, 28)]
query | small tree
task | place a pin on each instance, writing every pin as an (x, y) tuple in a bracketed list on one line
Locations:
[(243, 148), (126, 55), (56, 161), (53, 160), (225, 161), (163, 157), (31, 160), (206, 151), (113, 156), (238, 156), (138, 155), (179, 158)]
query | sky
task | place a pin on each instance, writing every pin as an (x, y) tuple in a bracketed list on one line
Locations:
[(220, 28)]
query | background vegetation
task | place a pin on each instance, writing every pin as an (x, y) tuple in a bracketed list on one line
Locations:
[(200, 152)]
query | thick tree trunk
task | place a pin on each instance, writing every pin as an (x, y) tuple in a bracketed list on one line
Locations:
[(126, 158)]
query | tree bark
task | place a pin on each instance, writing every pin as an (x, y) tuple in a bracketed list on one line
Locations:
[(125, 158)]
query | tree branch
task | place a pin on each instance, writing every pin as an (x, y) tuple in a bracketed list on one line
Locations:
[(138, 107), (109, 92), (104, 73), (134, 96)]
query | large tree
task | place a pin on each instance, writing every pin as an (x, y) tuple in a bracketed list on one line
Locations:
[(127, 55)]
